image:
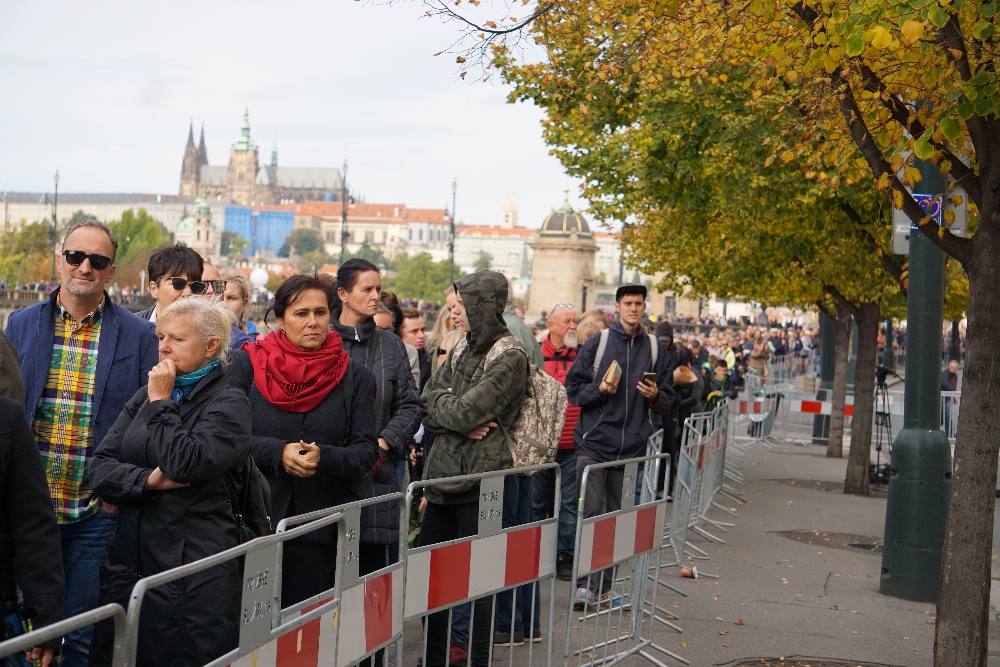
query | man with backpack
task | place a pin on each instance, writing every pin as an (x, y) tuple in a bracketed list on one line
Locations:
[(614, 417), (472, 403)]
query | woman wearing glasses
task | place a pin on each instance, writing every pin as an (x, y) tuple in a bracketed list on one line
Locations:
[(174, 271)]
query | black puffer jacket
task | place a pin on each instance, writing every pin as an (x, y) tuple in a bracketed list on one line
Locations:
[(347, 451), (398, 412), (30, 557), (198, 441)]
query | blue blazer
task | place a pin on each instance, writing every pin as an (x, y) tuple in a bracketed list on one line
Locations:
[(126, 352)]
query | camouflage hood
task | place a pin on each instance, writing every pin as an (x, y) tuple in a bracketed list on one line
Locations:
[(484, 294)]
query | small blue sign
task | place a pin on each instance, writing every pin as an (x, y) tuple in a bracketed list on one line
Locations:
[(932, 205)]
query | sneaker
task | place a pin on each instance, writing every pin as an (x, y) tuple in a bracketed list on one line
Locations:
[(564, 567), (505, 639), (536, 636), (613, 603), (583, 598), (458, 654)]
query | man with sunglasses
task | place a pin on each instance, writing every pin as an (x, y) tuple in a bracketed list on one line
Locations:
[(215, 286), (82, 357), (174, 271)]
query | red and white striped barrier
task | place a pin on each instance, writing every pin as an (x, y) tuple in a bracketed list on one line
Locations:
[(439, 577), (613, 538), (758, 407), (369, 616), (821, 407)]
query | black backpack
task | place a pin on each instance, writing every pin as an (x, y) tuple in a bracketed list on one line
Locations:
[(251, 506)]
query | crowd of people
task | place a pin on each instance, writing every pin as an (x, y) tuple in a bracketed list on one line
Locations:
[(130, 442)]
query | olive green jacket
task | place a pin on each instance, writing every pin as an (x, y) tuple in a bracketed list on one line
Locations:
[(464, 395)]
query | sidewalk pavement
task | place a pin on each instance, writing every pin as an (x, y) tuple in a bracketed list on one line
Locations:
[(790, 584)]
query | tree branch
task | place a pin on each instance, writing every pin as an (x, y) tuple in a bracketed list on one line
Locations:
[(842, 300), (890, 267), (957, 247), (962, 174), (953, 42)]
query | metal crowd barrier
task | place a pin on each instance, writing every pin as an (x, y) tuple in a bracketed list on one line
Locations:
[(440, 577), (623, 541), (362, 615)]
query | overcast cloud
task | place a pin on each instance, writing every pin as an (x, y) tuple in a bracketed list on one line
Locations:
[(105, 91)]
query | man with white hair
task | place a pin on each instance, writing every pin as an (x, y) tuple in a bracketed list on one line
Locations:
[(559, 351)]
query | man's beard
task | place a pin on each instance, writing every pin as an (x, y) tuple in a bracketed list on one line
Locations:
[(96, 288), (570, 340)]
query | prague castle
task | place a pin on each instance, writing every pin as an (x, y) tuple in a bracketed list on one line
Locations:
[(246, 181)]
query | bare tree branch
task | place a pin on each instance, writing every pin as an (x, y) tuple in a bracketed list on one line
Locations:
[(894, 271)]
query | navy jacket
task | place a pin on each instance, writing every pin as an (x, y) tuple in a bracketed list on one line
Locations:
[(616, 426), (125, 354)]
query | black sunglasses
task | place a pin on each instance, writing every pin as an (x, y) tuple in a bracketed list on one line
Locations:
[(197, 286), (76, 257)]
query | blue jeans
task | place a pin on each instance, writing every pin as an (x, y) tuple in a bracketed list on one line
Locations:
[(83, 545), (517, 511), (542, 490)]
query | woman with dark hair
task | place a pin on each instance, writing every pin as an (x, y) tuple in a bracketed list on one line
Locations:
[(313, 425), (398, 410)]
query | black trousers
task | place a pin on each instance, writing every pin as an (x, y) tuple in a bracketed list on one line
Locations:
[(449, 522), (604, 494), (308, 569)]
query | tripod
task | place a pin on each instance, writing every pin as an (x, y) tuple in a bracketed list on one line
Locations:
[(878, 472)]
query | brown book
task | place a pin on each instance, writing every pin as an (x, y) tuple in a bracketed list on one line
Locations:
[(613, 374)]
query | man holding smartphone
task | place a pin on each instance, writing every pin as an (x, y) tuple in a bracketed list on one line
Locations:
[(614, 417)]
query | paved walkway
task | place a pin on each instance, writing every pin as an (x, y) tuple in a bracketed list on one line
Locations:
[(790, 584)]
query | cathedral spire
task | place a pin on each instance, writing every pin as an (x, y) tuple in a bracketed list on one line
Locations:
[(190, 143), (202, 151), (245, 143), (274, 151)]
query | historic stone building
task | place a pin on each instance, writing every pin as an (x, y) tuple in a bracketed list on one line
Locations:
[(563, 264), (199, 232), (245, 181)]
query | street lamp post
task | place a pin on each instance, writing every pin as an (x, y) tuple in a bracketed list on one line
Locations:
[(55, 213), (920, 472), (451, 245), (343, 214)]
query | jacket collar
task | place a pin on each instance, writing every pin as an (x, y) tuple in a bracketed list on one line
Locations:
[(209, 379), (363, 333)]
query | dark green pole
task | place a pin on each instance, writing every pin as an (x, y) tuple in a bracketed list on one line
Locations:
[(920, 471), (888, 354), (821, 423)]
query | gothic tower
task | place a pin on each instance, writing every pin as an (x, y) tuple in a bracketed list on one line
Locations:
[(202, 152), (189, 169), (243, 165), (509, 213)]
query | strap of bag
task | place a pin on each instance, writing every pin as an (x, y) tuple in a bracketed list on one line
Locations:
[(603, 345), (654, 349)]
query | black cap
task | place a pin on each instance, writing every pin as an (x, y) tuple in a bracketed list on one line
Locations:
[(630, 289)]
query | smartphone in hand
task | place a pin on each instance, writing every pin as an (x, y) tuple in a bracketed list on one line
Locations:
[(649, 377)]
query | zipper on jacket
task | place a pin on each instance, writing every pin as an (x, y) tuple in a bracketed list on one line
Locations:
[(356, 336), (628, 366)]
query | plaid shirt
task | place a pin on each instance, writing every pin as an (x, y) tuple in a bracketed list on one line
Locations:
[(64, 420)]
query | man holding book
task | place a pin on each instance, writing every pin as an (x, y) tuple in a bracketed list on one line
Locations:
[(612, 380)]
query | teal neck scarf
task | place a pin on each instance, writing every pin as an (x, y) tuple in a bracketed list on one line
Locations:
[(183, 384)]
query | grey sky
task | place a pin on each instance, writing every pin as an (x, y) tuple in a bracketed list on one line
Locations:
[(105, 90)]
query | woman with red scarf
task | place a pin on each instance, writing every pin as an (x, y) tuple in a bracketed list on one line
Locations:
[(312, 453)]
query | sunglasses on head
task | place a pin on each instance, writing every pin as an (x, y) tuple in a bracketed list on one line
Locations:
[(197, 286), (76, 257), (441, 351)]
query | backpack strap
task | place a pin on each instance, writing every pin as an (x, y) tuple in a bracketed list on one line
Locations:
[(601, 347), (654, 348)]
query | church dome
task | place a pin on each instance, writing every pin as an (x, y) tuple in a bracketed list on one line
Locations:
[(201, 207), (186, 225), (565, 221)]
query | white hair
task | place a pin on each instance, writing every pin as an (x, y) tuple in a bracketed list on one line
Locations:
[(209, 317)]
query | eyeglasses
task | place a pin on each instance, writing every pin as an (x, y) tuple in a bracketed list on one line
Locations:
[(218, 286), (76, 257), (197, 286), (562, 305)]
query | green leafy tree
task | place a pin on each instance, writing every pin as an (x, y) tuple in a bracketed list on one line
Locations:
[(79, 215), (484, 262), (138, 234), (304, 240), (232, 244), (25, 253), (373, 255), (419, 277)]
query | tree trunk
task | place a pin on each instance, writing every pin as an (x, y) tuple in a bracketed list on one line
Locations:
[(842, 328), (860, 455), (964, 589)]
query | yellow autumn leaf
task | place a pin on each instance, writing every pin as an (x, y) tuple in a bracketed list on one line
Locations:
[(924, 220), (957, 200), (897, 199), (787, 156), (941, 232), (912, 31), (883, 181), (881, 38), (949, 216), (460, 59)]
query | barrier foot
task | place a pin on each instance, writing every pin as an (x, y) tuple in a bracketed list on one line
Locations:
[(669, 624), (623, 609), (696, 557), (707, 535), (672, 614), (666, 585), (602, 644), (665, 652), (733, 496), (720, 524), (726, 509), (706, 574)]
